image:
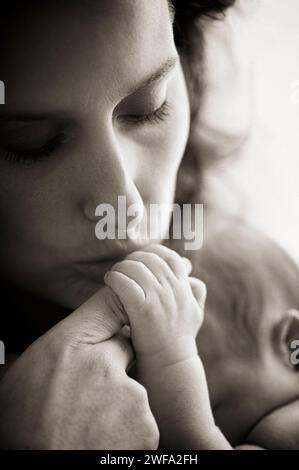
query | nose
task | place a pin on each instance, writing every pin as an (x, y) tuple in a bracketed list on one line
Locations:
[(113, 181)]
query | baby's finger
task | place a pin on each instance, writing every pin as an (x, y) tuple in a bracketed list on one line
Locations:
[(188, 265), (138, 271), (180, 267), (129, 292), (199, 291), (159, 268)]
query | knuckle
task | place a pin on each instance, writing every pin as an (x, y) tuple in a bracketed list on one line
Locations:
[(135, 255), (173, 258), (171, 254), (135, 263), (179, 262), (140, 395), (159, 250), (139, 399), (117, 265), (151, 434), (203, 290), (135, 393), (143, 257), (138, 257), (199, 285), (107, 368), (154, 257), (153, 246)]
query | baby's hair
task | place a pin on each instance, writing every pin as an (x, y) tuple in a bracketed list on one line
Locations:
[(248, 276)]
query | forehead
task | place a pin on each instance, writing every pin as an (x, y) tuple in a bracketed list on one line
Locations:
[(94, 45)]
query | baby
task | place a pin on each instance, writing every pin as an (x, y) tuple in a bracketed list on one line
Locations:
[(246, 342), (165, 311), (224, 396)]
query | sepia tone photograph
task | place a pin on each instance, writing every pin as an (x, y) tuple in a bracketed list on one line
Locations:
[(149, 242)]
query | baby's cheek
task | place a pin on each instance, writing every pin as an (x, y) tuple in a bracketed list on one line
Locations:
[(279, 430)]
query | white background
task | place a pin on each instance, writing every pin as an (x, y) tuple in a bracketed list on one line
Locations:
[(252, 62)]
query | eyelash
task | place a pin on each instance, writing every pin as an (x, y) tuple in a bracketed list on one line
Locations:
[(35, 155), (155, 117)]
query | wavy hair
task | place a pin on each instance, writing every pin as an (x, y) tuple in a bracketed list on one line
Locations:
[(190, 17)]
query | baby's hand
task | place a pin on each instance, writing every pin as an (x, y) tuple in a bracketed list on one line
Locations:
[(164, 305)]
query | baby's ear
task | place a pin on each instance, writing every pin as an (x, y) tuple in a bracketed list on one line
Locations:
[(286, 338)]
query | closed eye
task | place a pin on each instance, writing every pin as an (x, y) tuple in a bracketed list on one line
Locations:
[(154, 117), (31, 156)]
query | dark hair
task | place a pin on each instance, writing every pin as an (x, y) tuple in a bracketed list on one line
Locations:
[(188, 12), (190, 17)]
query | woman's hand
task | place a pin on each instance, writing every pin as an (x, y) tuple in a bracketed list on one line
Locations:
[(70, 390)]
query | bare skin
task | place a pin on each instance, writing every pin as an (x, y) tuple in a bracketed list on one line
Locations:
[(70, 390), (88, 82)]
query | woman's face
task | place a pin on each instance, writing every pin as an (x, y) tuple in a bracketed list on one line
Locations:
[(96, 107)]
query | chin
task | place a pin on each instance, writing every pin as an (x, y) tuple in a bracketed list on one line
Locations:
[(72, 297)]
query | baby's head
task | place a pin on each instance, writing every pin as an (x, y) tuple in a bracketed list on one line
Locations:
[(250, 322)]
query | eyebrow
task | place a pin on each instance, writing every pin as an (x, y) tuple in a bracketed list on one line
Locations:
[(161, 73), (26, 117)]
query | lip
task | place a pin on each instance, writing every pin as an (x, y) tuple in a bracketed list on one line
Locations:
[(95, 268), (119, 253)]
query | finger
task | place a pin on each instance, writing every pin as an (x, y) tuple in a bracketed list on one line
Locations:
[(199, 290), (119, 349), (98, 319), (154, 263), (130, 293), (188, 265), (136, 270), (179, 266)]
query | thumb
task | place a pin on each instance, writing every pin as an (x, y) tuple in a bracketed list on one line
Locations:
[(97, 320), (119, 350)]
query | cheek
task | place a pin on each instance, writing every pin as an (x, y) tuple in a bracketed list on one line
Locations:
[(15, 212), (175, 136), (22, 232), (166, 150), (33, 213)]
